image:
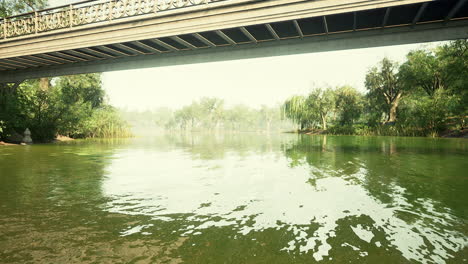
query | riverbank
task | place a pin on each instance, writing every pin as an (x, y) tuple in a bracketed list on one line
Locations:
[(59, 138), (7, 144), (378, 132)]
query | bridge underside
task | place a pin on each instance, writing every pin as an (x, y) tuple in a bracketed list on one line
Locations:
[(414, 23)]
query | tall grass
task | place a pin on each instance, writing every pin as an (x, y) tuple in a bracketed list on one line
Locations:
[(106, 123)]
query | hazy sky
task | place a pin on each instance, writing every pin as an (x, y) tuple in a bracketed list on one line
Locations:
[(253, 82)]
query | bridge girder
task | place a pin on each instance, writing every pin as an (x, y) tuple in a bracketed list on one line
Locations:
[(236, 29)]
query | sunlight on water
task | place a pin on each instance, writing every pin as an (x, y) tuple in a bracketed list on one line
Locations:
[(235, 198), (256, 192)]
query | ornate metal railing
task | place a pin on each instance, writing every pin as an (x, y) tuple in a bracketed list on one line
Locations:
[(86, 12)]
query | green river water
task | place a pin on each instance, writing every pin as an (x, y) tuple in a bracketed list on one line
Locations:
[(235, 198)]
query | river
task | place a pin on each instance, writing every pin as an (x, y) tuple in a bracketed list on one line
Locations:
[(235, 198)]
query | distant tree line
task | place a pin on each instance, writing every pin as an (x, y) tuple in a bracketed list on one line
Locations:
[(425, 95), (209, 114)]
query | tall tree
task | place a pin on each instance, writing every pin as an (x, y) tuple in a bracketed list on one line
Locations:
[(212, 109), (349, 104), (444, 67), (456, 55), (442, 74), (385, 87), (321, 102), (425, 70)]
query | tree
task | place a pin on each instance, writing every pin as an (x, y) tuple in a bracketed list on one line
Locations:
[(68, 107), (212, 110), (441, 74), (385, 87), (79, 95), (239, 117), (189, 114), (268, 115), (456, 56), (425, 70), (349, 104), (296, 109), (321, 102), (15, 7), (310, 110)]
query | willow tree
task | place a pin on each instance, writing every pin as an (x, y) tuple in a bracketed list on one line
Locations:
[(307, 111), (385, 87), (295, 108)]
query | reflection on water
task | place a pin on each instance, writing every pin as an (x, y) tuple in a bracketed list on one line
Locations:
[(243, 198)]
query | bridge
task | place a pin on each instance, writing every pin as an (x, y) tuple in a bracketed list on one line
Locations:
[(98, 36)]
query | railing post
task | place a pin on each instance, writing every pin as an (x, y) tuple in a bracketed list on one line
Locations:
[(36, 20), (5, 28), (70, 15), (111, 7)]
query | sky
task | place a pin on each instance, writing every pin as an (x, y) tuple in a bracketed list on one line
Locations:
[(253, 82)]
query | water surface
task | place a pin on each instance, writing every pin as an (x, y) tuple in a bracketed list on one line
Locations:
[(235, 198)]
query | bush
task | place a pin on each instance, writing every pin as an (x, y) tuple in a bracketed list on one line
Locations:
[(342, 130), (428, 115)]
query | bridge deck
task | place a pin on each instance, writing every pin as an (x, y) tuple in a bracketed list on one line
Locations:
[(103, 35)]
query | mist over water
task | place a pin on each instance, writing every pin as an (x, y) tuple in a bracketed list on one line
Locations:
[(239, 198)]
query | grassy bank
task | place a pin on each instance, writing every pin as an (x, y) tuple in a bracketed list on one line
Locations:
[(384, 130)]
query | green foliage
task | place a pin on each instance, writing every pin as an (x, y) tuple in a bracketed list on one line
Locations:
[(349, 105), (41, 109), (321, 103), (441, 74), (105, 122), (309, 111), (456, 56), (2, 126), (80, 95), (342, 130), (297, 110), (424, 70), (428, 94), (70, 107), (385, 88), (14, 7), (430, 113), (29, 107)]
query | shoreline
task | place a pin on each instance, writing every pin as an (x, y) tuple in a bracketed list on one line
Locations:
[(448, 134), (2, 143), (57, 139), (312, 132)]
